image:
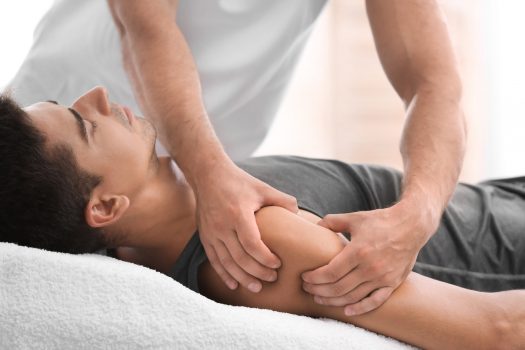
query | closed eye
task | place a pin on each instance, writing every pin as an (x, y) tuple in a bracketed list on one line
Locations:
[(80, 119)]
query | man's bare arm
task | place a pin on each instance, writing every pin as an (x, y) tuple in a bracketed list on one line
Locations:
[(166, 83), (423, 312), (416, 53)]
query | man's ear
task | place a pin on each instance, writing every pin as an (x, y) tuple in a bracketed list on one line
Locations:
[(103, 211)]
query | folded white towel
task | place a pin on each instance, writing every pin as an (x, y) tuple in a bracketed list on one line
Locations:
[(60, 301)]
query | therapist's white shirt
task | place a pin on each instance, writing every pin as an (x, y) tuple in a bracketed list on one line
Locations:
[(245, 51)]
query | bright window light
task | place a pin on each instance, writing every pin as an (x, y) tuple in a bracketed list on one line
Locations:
[(18, 20), (505, 28)]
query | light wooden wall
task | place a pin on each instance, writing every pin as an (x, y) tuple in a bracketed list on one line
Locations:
[(341, 105)]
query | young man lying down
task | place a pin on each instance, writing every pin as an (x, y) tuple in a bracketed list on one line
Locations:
[(85, 178)]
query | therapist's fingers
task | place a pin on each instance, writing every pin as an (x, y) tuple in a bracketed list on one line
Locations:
[(250, 239), (247, 262), (217, 266), (229, 264), (279, 199), (372, 302), (338, 222), (342, 287), (344, 262), (353, 297)]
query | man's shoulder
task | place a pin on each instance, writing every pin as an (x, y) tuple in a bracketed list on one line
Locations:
[(285, 232), (300, 244)]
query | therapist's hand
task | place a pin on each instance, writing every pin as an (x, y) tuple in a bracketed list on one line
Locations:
[(227, 199), (382, 251)]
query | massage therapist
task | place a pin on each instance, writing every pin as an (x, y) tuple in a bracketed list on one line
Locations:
[(210, 76)]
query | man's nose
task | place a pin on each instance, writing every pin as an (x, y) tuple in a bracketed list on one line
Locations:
[(96, 98)]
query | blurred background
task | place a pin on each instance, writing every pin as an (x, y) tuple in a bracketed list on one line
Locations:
[(340, 104)]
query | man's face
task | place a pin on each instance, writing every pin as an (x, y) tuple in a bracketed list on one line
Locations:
[(107, 139)]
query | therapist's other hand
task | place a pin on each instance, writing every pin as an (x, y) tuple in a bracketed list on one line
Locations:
[(382, 251), (227, 199)]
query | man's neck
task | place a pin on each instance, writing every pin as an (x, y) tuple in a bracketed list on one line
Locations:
[(160, 222)]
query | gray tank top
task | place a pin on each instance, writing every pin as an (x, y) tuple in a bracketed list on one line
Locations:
[(320, 186)]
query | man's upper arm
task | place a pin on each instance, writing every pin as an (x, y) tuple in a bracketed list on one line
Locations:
[(413, 44), (301, 246)]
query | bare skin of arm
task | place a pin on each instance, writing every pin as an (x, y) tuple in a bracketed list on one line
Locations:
[(166, 84), (417, 56), (423, 312), (419, 61)]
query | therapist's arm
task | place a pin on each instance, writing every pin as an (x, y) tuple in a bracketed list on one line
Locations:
[(416, 53), (165, 80)]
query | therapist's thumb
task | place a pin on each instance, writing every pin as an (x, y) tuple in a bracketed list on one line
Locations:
[(281, 199), (337, 222)]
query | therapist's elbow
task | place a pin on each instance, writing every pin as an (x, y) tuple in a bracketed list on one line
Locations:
[(447, 87), (142, 19)]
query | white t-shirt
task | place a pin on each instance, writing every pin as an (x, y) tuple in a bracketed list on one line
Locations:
[(245, 51)]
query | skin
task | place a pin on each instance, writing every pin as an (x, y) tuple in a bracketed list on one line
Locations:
[(148, 208), (415, 51)]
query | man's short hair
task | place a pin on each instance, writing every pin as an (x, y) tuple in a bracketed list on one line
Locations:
[(43, 191)]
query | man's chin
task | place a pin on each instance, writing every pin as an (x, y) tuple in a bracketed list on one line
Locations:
[(149, 135), (148, 130)]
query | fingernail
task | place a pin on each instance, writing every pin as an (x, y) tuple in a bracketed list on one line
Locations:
[(273, 278), (255, 287), (318, 300), (232, 285), (304, 277), (349, 312), (276, 265)]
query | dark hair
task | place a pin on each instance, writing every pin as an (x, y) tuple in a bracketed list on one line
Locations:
[(43, 191)]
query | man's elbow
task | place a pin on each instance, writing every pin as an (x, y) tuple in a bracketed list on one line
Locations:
[(446, 85)]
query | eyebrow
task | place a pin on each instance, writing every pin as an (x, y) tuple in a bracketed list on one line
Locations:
[(80, 122)]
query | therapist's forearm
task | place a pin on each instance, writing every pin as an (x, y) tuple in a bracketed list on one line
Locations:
[(417, 55), (432, 147), (165, 80)]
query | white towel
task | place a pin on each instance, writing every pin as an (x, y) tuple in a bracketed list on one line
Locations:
[(61, 301)]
